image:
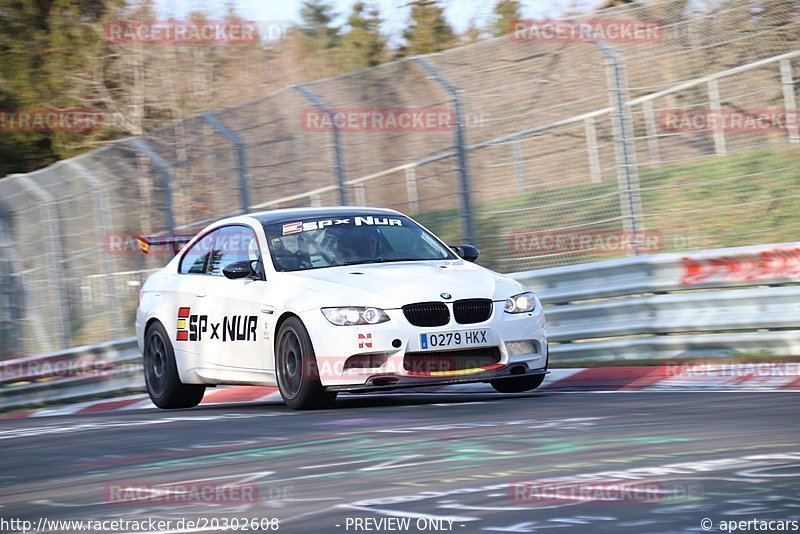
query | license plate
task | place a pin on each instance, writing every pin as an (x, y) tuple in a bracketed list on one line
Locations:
[(452, 340)]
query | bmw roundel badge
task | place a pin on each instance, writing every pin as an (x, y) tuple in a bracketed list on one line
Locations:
[(446, 296)]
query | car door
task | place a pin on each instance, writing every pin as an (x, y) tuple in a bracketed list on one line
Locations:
[(191, 319), (235, 336)]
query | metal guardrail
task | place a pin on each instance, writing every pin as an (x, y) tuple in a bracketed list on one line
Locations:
[(103, 370), (759, 265), (665, 347), (712, 303)]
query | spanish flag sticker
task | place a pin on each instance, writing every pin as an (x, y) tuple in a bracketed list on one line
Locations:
[(144, 244), (183, 314)]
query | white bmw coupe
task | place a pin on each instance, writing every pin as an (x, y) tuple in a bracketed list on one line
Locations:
[(321, 300)]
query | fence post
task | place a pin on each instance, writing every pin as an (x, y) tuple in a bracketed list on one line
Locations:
[(411, 189), (719, 133), (361, 195), (10, 318), (652, 133), (467, 220), (21, 308), (236, 141), (164, 171), (6, 297), (54, 252), (594, 155), (102, 205), (627, 172), (789, 102), (519, 166), (337, 166)]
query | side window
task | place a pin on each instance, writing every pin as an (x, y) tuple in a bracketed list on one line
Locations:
[(195, 259), (234, 243)]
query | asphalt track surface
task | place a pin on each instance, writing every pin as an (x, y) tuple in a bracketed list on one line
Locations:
[(482, 461)]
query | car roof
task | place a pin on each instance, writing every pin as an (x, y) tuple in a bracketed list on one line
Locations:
[(294, 214)]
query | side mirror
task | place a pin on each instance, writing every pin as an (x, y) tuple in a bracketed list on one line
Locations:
[(239, 269), (467, 252), (258, 269)]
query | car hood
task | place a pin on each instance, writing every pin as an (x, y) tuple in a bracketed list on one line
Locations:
[(392, 285)]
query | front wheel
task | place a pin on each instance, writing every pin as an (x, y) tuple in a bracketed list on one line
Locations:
[(296, 368), (517, 384), (161, 373)]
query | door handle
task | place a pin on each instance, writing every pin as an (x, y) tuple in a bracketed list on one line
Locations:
[(200, 293)]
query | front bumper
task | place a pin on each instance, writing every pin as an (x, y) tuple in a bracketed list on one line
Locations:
[(385, 346)]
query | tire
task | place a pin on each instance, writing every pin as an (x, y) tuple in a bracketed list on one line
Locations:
[(161, 373), (517, 384), (296, 368)]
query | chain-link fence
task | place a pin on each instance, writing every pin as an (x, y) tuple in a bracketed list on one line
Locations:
[(557, 151)]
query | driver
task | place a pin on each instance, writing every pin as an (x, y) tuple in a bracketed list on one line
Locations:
[(361, 242)]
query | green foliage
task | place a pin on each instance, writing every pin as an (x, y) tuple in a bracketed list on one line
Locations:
[(43, 47), (505, 12), (363, 45), (428, 31), (317, 23)]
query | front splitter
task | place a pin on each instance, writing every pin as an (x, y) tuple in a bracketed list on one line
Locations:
[(415, 382)]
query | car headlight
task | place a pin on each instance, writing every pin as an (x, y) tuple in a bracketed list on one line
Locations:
[(524, 302), (354, 316)]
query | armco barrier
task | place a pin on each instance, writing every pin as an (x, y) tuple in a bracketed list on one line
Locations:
[(661, 273), (103, 370), (709, 303), (712, 303)]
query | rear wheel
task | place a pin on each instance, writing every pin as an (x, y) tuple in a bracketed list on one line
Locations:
[(161, 373), (517, 384), (296, 368)]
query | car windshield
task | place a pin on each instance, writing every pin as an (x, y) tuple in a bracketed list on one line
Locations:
[(350, 240)]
